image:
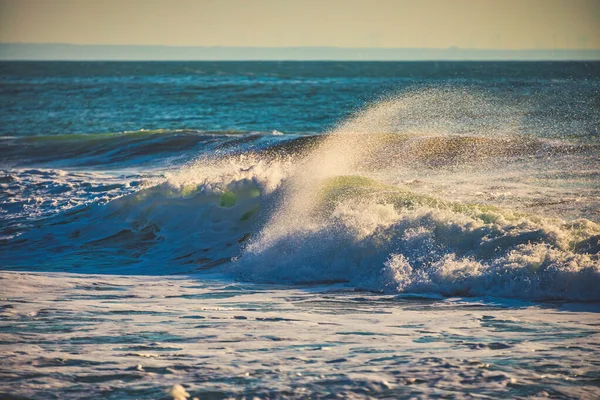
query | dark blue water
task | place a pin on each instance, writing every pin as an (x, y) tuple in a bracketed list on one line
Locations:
[(42, 98)]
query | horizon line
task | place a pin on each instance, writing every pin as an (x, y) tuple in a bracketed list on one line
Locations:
[(299, 47), (16, 51)]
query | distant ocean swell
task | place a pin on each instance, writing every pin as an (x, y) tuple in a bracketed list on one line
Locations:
[(310, 209)]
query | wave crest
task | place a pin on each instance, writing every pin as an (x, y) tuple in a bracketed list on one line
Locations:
[(334, 223)]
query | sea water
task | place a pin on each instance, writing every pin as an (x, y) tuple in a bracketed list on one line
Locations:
[(300, 229)]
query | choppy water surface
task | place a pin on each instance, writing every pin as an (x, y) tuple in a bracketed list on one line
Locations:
[(293, 230), (69, 336)]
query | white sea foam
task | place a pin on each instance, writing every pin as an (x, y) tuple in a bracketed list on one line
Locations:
[(333, 225)]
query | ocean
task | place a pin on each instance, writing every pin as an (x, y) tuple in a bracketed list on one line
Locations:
[(299, 230)]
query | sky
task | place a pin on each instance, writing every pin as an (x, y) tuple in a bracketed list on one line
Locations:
[(473, 24)]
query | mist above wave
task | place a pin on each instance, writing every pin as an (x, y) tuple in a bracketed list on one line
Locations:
[(332, 224)]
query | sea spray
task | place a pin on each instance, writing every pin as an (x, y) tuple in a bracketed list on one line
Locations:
[(333, 223)]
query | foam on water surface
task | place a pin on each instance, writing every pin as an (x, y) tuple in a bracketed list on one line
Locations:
[(137, 337)]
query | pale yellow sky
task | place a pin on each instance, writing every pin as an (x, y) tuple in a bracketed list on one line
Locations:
[(477, 24)]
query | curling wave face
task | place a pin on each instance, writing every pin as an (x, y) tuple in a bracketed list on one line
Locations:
[(406, 196)]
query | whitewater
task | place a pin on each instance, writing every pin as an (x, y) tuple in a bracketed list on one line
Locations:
[(441, 239)]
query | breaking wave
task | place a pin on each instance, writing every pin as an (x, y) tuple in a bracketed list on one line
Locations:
[(381, 203), (333, 223)]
